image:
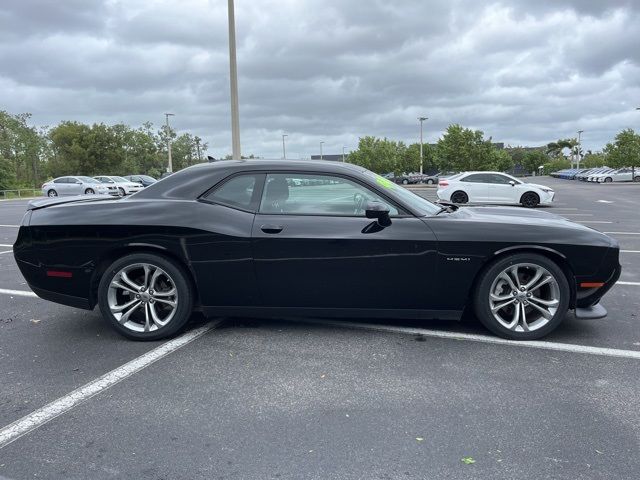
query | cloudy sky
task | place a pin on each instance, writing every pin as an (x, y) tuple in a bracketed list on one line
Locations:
[(525, 72)]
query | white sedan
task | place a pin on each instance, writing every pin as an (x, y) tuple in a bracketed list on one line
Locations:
[(620, 175), (125, 187), (493, 187)]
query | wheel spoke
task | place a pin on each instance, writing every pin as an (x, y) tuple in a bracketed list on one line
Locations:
[(544, 281), (146, 318), (515, 318), (505, 276), (125, 317), (545, 313), (548, 303), (154, 278), (117, 284), (514, 272), (500, 298), (523, 319), (154, 316), (169, 293), (147, 270), (168, 302), (125, 278), (120, 308), (535, 278), (500, 306)]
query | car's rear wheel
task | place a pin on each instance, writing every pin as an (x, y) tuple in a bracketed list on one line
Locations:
[(459, 197), (121, 191), (636, 179), (405, 181), (530, 200), (522, 297), (608, 180), (52, 193), (89, 191), (145, 296), (430, 181)]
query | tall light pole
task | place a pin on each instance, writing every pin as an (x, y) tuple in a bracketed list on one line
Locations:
[(321, 150), (284, 150), (578, 156), (170, 167), (343, 147), (233, 70), (421, 119)]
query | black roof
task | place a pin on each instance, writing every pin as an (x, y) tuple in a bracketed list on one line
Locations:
[(192, 181)]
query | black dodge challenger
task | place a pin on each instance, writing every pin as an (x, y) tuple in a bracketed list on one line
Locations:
[(305, 238)]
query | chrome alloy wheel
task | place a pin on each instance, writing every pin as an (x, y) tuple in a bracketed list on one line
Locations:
[(524, 297), (142, 297)]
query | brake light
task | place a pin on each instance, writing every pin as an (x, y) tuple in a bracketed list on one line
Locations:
[(59, 274), (443, 183), (592, 284)]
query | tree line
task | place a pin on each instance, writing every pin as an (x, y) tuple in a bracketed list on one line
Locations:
[(31, 155)]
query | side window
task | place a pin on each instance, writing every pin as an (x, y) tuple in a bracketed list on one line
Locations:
[(60, 180), (236, 192), (311, 194), (475, 178), (499, 179)]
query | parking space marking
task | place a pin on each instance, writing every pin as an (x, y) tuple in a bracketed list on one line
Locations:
[(605, 201), (622, 233), (6, 251), (591, 221), (19, 293), (634, 284), (473, 337), (63, 404), (5, 245), (10, 226), (576, 214), (629, 251)]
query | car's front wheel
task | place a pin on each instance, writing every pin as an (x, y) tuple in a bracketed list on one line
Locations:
[(121, 192), (430, 181), (145, 296), (530, 200), (89, 191), (459, 197), (522, 297), (52, 193)]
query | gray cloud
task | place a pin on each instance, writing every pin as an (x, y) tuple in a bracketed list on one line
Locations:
[(523, 71)]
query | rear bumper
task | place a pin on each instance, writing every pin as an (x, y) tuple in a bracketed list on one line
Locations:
[(61, 298)]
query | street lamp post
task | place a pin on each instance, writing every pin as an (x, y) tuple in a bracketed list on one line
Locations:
[(343, 147), (578, 156), (284, 150), (170, 167), (421, 119), (233, 71), (321, 150)]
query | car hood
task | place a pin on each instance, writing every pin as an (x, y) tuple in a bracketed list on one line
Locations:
[(537, 185)]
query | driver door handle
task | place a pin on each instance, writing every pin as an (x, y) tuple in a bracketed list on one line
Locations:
[(272, 229)]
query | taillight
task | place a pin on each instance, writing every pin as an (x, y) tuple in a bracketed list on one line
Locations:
[(443, 183)]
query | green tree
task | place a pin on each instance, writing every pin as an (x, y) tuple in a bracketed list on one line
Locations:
[(533, 160), (381, 155), (462, 149), (557, 149), (593, 160), (624, 151), (23, 146)]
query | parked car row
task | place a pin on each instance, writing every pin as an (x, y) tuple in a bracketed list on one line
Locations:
[(493, 188), (100, 185), (415, 178), (599, 174)]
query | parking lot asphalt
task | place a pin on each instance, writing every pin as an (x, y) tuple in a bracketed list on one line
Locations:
[(283, 399)]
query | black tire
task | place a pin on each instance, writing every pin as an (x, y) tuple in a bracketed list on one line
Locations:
[(530, 200), (121, 191), (459, 197), (636, 179), (52, 193), (481, 296), (405, 181), (180, 280), (608, 180), (430, 181), (89, 191)]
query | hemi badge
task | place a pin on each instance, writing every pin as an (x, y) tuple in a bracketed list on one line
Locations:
[(59, 273), (592, 284)]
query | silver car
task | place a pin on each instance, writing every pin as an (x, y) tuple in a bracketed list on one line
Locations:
[(76, 185)]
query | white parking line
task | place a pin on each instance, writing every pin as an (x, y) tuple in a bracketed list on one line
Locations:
[(5, 245), (634, 284), (605, 201), (6, 251), (576, 214), (63, 404), (19, 293), (561, 347), (622, 233), (629, 251), (12, 226)]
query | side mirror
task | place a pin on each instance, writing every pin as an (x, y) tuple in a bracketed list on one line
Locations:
[(378, 211), (512, 183)]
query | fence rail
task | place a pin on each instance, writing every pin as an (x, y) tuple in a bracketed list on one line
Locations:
[(21, 193)]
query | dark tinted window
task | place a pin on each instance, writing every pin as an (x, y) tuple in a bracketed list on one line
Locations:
[(60, 180), (235, 192), (476, 178)]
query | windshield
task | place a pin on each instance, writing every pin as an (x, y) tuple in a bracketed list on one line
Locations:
[(87, 179), (147, 178), (425, 207)]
